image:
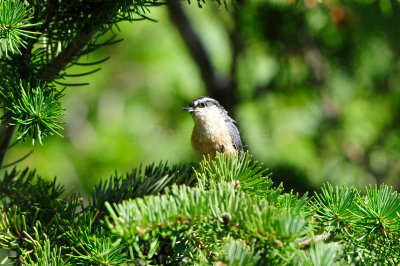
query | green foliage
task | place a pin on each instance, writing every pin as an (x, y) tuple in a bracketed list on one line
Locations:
[(162, 217), (42, 224), (236, 252), (240, 170), (152, 180), (35, 109), (14, 20), (368, 224), (337, 207), (43, 253), (92, 245), (205, 218), (324, 254), (379, 210)]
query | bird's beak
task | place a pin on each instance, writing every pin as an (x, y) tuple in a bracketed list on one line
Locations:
[(189, 109)]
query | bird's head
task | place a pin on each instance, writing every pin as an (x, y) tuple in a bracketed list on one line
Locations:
[(205, 108)]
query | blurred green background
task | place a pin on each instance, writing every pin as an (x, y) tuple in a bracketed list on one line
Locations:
[(314, 88)]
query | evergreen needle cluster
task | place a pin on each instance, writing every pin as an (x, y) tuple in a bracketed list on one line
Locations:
[(173, 215)]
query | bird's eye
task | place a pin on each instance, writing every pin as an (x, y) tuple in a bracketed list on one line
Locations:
[(202, 105)]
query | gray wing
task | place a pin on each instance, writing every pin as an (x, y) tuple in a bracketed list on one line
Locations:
[(235, 135)]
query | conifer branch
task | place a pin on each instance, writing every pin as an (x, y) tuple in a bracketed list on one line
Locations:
[(220, 222), (54, 67)]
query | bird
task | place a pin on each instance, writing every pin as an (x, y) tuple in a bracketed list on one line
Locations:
[(214, 131)]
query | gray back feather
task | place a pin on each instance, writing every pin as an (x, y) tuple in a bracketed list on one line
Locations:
[(234, 133)]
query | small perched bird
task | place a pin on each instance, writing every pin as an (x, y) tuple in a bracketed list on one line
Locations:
[(214, 131)]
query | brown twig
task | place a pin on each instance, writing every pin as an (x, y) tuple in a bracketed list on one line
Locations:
[(194, 44), (306, 243), (313, 57), (217, 86)]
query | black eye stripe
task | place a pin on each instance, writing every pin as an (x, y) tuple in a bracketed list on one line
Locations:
[(203, 104), (207, 103)]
